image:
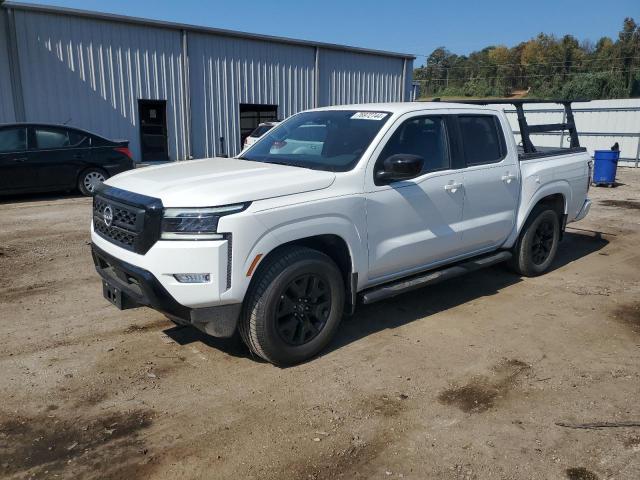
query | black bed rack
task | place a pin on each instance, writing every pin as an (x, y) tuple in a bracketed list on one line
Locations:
[(525, 129)]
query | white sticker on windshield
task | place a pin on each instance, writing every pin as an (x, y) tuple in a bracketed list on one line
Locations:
[(368, 116)]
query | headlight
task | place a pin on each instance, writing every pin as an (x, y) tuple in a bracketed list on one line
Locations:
[(195, 223)]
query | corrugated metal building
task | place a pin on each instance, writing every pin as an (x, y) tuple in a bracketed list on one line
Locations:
[(175, 91)]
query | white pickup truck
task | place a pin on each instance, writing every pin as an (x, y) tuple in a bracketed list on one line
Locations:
[(282, 241)]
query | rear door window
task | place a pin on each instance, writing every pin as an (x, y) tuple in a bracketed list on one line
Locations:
[(13, 139), (482, 139), (51, 138), (78, 139), (97, 141)]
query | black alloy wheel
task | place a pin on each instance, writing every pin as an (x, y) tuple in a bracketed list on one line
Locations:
[(542, 243), (293, 306), (537, 245), (303, 309)]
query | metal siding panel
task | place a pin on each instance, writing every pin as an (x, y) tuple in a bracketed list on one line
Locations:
[(349, 77), (90, 73), (7, 112), (408, 81), (228, 71)]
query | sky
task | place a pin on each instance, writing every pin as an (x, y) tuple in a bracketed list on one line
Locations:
[(408, 26)]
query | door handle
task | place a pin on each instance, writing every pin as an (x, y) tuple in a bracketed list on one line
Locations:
[(508, 177), (19, 159), (78, 156), (452, 187)]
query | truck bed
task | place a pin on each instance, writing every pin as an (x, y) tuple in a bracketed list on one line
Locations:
[(566, 169), (547, 152)]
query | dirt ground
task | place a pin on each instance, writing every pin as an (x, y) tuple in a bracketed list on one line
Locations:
[(464, 380)]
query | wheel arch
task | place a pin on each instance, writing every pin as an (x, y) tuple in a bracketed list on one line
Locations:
[(85, 168), (557, 194), (557, 201), (332, 245)]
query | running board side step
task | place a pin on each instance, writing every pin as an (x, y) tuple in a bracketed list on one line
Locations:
[(397, 287)]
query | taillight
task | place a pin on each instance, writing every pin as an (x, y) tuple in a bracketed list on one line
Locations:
[(124, 151), (590, 163), (279, 144)]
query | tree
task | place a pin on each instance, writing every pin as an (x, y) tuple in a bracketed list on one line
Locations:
[(544, 66)]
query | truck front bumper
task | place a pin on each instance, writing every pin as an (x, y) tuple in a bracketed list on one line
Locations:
[(129, 286)]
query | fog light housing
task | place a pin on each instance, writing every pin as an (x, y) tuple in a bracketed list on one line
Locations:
[(192, 277)]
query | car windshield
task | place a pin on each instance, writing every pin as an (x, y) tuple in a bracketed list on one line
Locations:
[(332, 140), (260, 130)]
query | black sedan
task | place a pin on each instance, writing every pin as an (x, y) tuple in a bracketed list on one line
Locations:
[(39, 158)]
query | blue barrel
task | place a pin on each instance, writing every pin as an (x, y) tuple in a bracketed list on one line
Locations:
[(606, 164)]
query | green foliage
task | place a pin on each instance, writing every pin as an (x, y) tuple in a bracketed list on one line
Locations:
[(543, 67)]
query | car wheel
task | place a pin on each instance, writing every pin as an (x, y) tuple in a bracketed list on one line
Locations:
[(90, 179), (293, 306), (538, 243)]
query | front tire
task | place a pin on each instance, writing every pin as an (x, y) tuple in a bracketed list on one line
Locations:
[(293, 307), (538, 243), (90, 179)]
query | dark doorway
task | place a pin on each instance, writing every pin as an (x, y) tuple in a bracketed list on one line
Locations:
[(152, 115), (252, 115)]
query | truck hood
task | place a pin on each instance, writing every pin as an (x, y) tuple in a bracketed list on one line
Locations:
[(219, 181)]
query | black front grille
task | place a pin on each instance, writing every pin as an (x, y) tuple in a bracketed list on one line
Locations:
[(121, 237), (127, 219), (123, 216)]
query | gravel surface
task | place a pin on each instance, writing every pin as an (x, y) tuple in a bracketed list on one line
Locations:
[(463, 380)]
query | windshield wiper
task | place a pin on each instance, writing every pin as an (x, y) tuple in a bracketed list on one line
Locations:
[(280, 162)]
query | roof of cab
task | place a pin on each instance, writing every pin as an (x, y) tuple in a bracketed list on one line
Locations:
[(406, 107)]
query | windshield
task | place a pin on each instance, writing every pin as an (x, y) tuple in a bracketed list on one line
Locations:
[(260, 130), (331, 140)]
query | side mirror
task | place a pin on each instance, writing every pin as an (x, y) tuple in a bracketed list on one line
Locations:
[(400, 166)]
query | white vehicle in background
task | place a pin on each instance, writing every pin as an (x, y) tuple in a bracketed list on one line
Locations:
[(259, 131), (334, 207)]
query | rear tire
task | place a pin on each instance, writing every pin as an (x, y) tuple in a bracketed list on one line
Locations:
[(90, 179), (538, 243), (293, 307)]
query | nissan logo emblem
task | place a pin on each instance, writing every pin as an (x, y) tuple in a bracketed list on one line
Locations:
[(107, 215)]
